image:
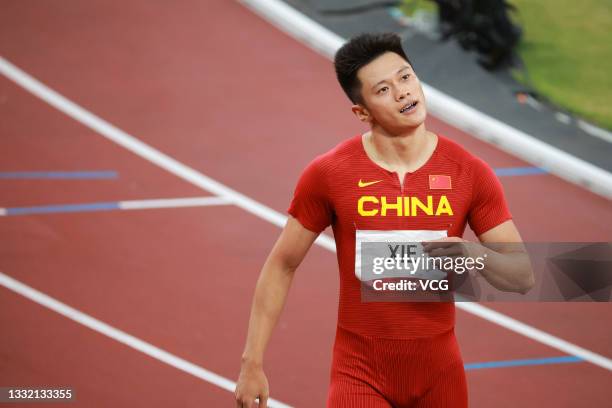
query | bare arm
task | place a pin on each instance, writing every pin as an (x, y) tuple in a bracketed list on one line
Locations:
[(270, 294), (507, 265)]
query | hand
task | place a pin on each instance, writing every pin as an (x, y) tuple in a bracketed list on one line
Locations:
[(252, 384), (454, 247)]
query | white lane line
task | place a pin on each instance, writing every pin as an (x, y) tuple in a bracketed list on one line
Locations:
[(563, 118), (296, 24), (117, 205), (445, 107), (173, 203), (248, 204), (121, 336), (595, 131), (535, 334), (143, 150)]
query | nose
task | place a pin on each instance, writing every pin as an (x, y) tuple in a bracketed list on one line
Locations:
[(401, 92)]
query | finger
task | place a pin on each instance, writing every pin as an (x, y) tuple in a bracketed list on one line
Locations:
[(244, 402), (444, 239), (437, 244), (263, 402), (434, 240), (449, 251)]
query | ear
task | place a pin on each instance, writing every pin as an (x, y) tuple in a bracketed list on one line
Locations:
[(361, 113)]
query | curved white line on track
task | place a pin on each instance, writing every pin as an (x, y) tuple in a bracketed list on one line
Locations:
[(121, 336), (250, 205), (173, 203), (445, 107)]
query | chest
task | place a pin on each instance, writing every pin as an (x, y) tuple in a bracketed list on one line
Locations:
[(424, 200)]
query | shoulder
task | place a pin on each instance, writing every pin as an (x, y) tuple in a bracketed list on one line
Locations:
[(335, 158), (461, 156)]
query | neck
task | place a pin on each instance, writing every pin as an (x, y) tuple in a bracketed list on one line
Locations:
[(405, 150)]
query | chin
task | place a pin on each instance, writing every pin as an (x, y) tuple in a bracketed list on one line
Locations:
[(414, 122), (403, 124), (401, 128)]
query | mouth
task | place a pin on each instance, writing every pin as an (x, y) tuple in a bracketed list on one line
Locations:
[(409, 107)]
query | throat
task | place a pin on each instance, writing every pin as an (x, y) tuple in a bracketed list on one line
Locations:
[(400, 156)]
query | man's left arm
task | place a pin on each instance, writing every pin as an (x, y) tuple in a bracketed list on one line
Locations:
[(507, 266)]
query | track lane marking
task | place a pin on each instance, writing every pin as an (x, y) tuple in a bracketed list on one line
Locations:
[(447, 108), (252, 206), (122, 337), (117, 205), (59, 175)]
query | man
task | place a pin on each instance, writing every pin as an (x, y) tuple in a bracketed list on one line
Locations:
[(386, 354)]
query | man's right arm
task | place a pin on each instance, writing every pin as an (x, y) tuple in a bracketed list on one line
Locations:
[(270, 294)]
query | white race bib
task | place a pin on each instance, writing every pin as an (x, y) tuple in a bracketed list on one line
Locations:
[(394, 238)]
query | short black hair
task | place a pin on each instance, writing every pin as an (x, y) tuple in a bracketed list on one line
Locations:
[(359, 51)]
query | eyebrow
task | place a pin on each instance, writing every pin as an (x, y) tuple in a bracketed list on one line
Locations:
[(384, 80)]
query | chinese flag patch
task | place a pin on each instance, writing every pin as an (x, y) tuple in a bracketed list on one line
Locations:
[(439, 182)]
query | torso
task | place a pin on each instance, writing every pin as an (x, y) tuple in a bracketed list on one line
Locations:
[(414, 206)]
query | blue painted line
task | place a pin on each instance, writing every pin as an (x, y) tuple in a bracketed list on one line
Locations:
[(44, 209), (69, 175), (519, 171), (518, 363)]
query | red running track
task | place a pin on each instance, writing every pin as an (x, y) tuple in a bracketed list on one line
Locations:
[(225, 93)]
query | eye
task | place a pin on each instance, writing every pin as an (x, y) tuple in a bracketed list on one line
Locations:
[(383, 89), (405, 76)]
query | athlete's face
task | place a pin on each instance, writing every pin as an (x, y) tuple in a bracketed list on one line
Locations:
[(392, 94)]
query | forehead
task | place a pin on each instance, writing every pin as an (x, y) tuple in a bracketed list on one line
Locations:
[(381, 68)]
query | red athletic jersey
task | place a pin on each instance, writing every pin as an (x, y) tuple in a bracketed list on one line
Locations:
[(344, 188)]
